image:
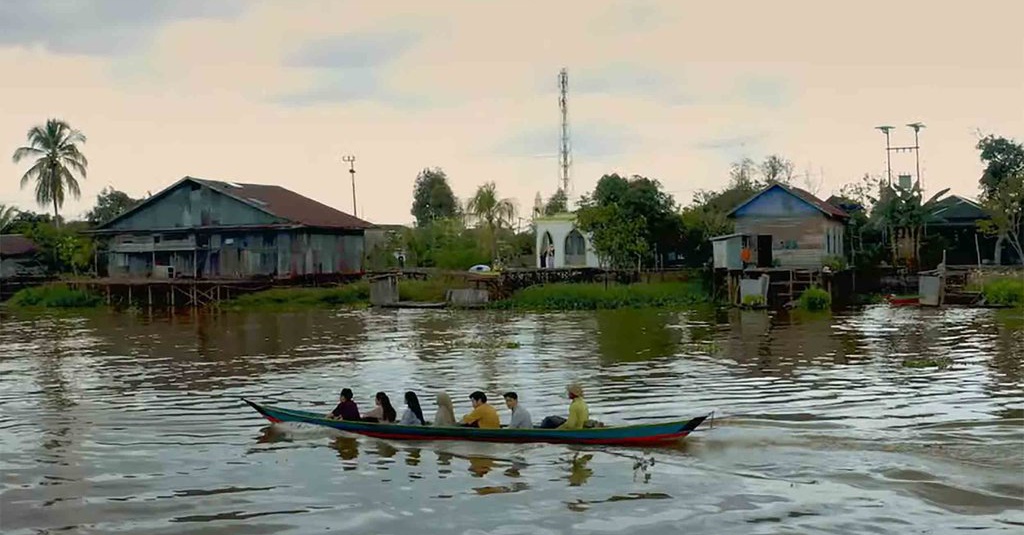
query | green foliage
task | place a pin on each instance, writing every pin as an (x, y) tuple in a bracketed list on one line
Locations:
[(777, 170), (62, 250), (445, 244), (433, 198), (432, 290), (110, 203), (617, 238), (557, 204), (835, 263), (1004, 204), (54, 148), (902, 213), (925, 362), (752, 300), (54, 296), (294, 298), (593, 296), (815, 299), (1007, 291), (1003, 159), (492, 214)]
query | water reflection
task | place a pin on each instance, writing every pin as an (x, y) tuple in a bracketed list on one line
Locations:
[(132, 423)]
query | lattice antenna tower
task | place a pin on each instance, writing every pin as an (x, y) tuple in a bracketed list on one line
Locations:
[(565, 150)]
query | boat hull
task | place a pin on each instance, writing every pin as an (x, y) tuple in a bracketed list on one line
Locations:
[(634, 435)]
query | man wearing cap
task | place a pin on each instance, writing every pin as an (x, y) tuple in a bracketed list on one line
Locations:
[(578, 412), (483, 415)]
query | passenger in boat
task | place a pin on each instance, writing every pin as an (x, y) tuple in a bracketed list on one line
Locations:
[(413, 415), (383, 412), (347, 409), (445, 413), (520, 416), (483, 415), (578, 412)]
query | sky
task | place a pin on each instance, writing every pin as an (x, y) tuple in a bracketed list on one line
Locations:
[(277, 92)]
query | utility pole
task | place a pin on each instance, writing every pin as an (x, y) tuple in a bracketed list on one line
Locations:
[(352, 171), (917, 151), (888, 155)]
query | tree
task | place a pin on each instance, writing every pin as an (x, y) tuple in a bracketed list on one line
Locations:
[(1001, 191), (7, 215), (777, 170), (557, 204), (110, 203), (618, 239), (1005, 206), (57, 158), (491, 212), (433, 198), (902, 213), (1003, 159)]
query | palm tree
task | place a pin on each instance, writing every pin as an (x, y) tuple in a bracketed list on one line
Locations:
[(57, 158), (904, 214), (7, 215), (491, 212)]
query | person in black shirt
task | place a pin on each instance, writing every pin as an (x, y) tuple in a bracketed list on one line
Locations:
[(347, 409)]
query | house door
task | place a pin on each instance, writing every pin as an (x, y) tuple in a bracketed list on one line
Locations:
[(764, 250)]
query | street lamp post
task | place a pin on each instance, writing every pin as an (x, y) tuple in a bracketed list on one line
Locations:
[(352, 170), (888, 155)]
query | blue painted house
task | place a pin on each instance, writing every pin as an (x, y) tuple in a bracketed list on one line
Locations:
[(209, 229), (787, 227)]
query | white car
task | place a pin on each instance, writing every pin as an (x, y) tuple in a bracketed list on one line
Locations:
[(480, 267)]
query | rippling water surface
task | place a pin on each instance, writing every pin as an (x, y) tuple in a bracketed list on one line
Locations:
[(133, 424)]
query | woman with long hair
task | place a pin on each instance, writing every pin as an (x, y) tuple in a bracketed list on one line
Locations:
[(383, 412), (413, 414), (445, 411)]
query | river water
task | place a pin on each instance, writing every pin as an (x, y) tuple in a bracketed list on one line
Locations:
[(120, 423)]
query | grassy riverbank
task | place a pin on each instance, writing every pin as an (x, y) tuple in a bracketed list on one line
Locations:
[(1006, 291), (595, 296), (356, 293), (54, 296)]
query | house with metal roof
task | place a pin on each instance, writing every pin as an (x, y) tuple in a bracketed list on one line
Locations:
[(209, 229), (18, 257), (782, 226)]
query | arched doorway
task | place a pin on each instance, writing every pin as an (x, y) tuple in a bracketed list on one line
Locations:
[(546, 253), (575, 249)]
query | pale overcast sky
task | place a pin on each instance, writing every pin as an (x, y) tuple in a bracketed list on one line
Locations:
[(276, 92)]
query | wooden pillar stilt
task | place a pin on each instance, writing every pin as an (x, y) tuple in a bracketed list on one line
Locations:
[(129, 295), (149, 295), (173, 289)]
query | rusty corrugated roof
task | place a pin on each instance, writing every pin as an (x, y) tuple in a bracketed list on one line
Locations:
[(16, 244), (287, 204), (828, 208)]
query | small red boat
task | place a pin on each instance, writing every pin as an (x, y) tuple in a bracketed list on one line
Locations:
[(902, 300)]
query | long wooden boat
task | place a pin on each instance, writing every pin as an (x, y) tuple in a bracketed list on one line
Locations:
[(633, 435)]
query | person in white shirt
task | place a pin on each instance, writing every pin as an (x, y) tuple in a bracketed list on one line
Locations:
[(520, 416), (413, 414)]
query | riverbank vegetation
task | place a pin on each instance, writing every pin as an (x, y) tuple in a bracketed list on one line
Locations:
[(54, 296), (353, 294), (1008, 291), (597, 296), (815, 299)]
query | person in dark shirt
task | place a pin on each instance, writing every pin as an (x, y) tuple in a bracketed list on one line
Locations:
[(347, 409)]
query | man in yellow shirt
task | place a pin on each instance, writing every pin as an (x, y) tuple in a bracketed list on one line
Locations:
[(483, 416), (578, 412)]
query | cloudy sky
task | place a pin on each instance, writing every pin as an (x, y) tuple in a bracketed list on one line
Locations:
[(277, 92)]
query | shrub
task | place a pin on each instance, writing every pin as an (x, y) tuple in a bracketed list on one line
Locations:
[(54, 296), (348, 294), (753, 301), (815, 299), (1006, 291), (593, 296)]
